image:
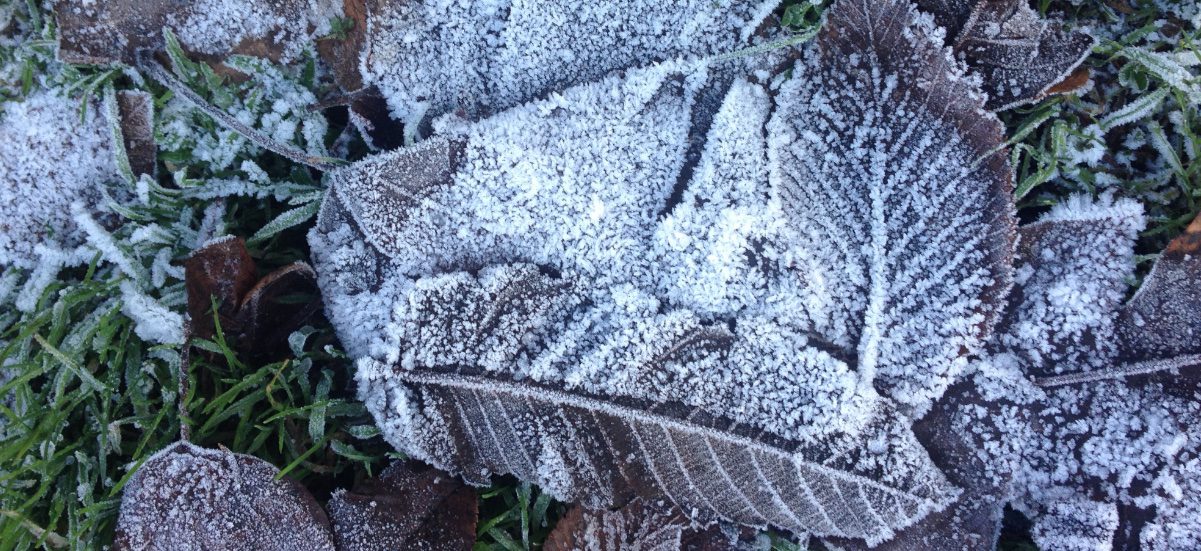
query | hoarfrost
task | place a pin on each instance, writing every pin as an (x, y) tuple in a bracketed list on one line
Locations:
[(190, 498), (480, 56), (49, 159), (684, 256)]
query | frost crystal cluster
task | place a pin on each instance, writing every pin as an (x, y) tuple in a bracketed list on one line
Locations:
[(49, 159), (775, 292)]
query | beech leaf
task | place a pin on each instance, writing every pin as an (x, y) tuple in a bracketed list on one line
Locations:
[(680, 282)]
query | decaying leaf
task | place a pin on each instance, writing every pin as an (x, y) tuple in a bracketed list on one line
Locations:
[(50, 159), (112, 31), (563, 292), (1021, 56), (1164, 318), (407, 506), (191, 498), (638, 526), (136, 109), (256, 314)]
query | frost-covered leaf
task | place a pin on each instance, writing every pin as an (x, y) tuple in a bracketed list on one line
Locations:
[(407, 506), (1021, 56), (900, 219), (975, 434), (638, 526), (605, 451), (1164, 318), (112, 31), (482, 56), (136, 110), (1118, 414), (191, 498), (593, 290), (49, 160), (1071, 273)]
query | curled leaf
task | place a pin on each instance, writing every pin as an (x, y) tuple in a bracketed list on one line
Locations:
[(257, 314)]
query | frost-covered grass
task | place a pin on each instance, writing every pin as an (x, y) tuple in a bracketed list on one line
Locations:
[(88, 395)]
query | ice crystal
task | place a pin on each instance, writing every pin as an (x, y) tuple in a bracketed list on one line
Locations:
[(49, 159), (684, 257)]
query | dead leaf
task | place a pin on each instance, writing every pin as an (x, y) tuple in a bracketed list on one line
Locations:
[(408, 506), (1164, 318), (256, 314), (188, 497), (112, 31), (1022, 57), (137, 130), (639, 526)]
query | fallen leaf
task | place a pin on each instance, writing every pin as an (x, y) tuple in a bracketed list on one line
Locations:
[(51, 158), (186, 497), (1164, 318), (136, 109), (1022, 57), (257, 315), (407, 506), (639, 526), (112, 31)]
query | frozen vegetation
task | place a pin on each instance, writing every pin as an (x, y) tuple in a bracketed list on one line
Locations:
[(899, 274)]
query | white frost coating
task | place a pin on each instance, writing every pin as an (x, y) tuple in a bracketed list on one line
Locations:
[(481, 56), (217, 26), (725, 214), (901, 237), (1178, 522), (153, 322), (1071, 274), (49, 158), (189, 498), (557, 284)]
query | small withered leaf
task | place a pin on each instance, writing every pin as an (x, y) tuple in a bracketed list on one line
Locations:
[(1021, 56), (220, 269), (256, 314), (137, 130), (190, 498), (640, 525), (1164, 318), (407, 506)]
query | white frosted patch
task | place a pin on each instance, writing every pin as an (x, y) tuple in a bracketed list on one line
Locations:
[(49, 159), (482, 56)]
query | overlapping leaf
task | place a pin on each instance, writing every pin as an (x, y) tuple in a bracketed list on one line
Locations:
[(1021, 56), (565, 292), (116, 30)]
